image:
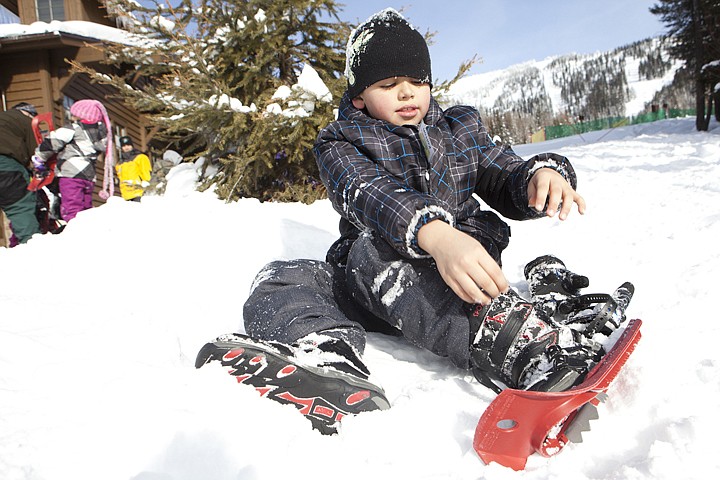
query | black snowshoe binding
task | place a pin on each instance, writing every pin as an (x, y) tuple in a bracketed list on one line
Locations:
[(322, 376), (517, 348), (597, 313), (555, 292)]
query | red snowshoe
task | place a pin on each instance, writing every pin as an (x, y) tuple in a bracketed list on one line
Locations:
[(520, 422)]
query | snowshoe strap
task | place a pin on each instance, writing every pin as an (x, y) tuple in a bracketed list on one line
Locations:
[(485, 380), (582, 302), (507, 336), (487, 358), (558, 380), (531, 351), (602, 317)]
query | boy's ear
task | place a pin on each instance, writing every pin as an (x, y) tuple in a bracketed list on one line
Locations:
[(358, 103)]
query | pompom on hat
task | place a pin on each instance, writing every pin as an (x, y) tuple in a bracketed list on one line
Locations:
[(385, 46), (92, 111)]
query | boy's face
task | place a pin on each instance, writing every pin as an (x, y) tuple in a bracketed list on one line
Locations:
[(398, 100), (126, 148)]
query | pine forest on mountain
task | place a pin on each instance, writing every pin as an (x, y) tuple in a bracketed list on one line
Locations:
[(588, 87)]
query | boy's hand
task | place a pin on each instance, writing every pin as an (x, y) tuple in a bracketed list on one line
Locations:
[(547, 185), (463, 262)]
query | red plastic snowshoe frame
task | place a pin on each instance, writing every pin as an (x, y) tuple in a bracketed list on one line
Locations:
[(519, 422), (39, 181)]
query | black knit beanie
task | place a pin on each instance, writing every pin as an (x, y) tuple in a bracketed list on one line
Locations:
[(385, 46)]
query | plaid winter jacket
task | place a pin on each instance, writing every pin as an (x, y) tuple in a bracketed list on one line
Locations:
[(77, 146), (394, 179)]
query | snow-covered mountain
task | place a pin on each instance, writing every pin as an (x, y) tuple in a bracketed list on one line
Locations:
[(621, 82)]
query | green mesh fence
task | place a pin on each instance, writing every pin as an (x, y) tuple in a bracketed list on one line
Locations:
[(559, 131), (661, 115)]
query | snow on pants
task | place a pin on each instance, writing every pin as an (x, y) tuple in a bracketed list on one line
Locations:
[(292, 299), (16, 201), (76, 196), (295, 298)]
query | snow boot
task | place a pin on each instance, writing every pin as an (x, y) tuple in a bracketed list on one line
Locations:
[(513, 346), (551, 283), (320, 375)]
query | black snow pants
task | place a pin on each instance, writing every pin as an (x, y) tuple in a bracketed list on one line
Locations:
[(378, 290)]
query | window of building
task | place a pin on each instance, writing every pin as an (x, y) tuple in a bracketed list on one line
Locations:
[(67, 103), (49, 10)]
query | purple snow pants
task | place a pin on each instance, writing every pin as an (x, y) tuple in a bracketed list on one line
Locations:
[(76, 196)]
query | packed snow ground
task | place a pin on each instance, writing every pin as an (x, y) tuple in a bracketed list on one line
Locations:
[(100, 326)]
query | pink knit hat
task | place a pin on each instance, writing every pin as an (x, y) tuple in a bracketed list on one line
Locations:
[(94, 112), (90, 110)]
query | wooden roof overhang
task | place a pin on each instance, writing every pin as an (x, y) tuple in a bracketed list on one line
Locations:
[(45, 41), (11, 5)]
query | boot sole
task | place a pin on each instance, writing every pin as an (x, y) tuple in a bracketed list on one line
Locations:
[(323, 395)]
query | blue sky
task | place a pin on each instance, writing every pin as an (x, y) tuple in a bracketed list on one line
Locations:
[(506, 32)]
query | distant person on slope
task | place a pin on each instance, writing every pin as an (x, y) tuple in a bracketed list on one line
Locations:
[(418, 255), (133, 170)]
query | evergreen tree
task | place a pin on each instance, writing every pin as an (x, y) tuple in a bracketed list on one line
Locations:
[(695, 25), (235, 82)]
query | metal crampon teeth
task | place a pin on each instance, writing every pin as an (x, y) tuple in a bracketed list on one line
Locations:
[(581, 422)]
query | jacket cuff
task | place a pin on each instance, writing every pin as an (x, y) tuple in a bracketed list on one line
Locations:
[(557, 162), (421, 218)]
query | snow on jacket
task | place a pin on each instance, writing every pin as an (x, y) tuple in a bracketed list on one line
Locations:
[(77, 148), (16, 137), (394, 179), (133, 173)]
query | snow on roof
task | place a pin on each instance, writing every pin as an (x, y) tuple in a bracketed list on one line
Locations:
[(76, 27)]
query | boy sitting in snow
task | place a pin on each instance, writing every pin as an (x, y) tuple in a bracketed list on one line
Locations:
[(417, 256)]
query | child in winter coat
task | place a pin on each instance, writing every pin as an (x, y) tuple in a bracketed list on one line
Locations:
[(133, 170), (78, 147), (418, 256)]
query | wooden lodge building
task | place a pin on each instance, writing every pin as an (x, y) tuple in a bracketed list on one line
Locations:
[(33, 65)]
